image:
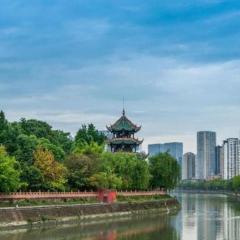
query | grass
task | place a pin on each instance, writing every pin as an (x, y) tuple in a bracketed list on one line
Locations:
[(46, 202), (143, 198)]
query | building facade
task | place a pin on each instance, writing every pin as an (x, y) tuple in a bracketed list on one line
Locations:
[(205, 164), (231, 158), (188, 166), (175, 149), (219, 161)]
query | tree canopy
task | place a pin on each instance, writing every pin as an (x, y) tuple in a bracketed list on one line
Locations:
[(88, 134), (165, 171), (9, 172), (37, 157)]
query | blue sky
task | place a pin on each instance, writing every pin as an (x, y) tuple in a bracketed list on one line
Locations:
[(176, 62)]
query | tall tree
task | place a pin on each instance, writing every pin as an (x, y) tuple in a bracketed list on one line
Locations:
[(35, 127), (132, 169), (3, 121), (105, 180), (236, 183), (25, 146), (57, 150), (87, 134), (54, 173), (80, 168), (9, 172), (165, 171)]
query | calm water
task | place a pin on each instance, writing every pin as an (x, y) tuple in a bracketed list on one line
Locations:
[(203, 217)]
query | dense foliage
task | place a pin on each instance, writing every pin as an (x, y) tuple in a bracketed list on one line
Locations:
[(213, 185), (9, 175), (165, 171), (33, 156)]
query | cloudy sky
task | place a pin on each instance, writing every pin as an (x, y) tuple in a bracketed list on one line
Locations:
[(177, 63)]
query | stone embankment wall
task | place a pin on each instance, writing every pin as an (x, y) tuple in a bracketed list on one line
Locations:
[(38, 215)]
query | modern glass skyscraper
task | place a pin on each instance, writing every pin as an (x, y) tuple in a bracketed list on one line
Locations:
[(175, 149), (231, 158), (205, 164), (188, 166)]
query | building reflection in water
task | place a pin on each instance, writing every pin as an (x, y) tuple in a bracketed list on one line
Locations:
[(208, 217)]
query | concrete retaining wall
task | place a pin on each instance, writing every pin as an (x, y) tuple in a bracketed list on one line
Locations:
[(32, 215)]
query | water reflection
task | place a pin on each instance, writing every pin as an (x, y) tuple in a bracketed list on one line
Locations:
[(144, 228), (208, 216), (203, 217)]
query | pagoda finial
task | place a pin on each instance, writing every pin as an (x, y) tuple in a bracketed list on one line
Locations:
[(123, 112)]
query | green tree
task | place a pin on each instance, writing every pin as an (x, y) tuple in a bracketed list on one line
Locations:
[(105, 180), (80, 168), (9, 172), (3, 121), (57, 151), (54, 173), (56, 141), (91, 149), (132, 169), (35, 127), (32, 178), (236, 183), (63, 140), (87, 134), (8, 134), (165, 171), (25, 146)]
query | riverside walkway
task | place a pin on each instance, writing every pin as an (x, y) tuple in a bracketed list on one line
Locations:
[(70, 195)]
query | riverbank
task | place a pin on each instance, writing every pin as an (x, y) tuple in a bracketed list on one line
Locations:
[(40, 215), (84, 200), (230, 194)]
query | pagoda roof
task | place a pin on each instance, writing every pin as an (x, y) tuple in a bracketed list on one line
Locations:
[(123, 123), (128, 141)]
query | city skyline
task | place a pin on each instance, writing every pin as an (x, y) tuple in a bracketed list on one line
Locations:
[(157, 140), (74, 64)]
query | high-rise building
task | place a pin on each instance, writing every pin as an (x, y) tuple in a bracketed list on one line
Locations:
[(188, 166), (231, 158), (219, 161), (175, 149), (205, 164)]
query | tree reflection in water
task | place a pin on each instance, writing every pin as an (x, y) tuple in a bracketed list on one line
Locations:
[(142, 228)]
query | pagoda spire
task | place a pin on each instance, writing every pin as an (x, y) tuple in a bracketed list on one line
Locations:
[(123, 112)]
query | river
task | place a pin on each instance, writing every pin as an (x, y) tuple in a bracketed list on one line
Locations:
[(202, 217)]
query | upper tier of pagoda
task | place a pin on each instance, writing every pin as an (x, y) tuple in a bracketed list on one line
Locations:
[(123, 124)]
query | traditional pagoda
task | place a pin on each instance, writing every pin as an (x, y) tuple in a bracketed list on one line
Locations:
[(123, 139)]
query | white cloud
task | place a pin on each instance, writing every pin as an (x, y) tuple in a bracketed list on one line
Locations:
[(170, 99)]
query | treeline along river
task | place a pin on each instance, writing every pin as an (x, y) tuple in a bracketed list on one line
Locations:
[(202, 217)]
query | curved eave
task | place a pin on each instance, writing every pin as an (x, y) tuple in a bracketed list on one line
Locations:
[(124, 124), (113, 129)]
